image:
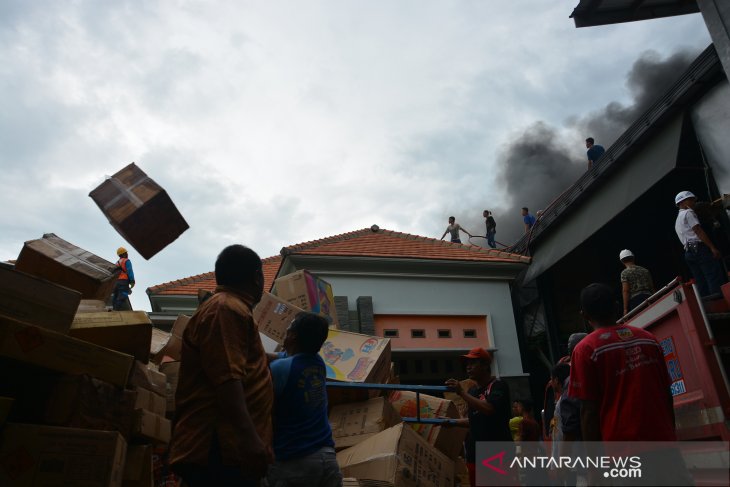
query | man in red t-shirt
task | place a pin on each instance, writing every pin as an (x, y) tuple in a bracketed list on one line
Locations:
[(619, 374)]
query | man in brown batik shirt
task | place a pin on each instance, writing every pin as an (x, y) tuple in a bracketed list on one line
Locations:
[(223, 431)]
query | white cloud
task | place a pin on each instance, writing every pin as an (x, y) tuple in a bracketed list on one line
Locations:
[(271, 123)]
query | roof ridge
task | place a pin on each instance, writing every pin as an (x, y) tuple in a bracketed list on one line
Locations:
[(321, 241)]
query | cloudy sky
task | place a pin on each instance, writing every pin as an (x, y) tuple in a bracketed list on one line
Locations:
[(275, 122)]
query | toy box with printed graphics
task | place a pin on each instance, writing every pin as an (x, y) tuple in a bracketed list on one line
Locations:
[(352, 357), (308, 292)]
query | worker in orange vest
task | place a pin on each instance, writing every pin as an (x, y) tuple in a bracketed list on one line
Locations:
[(125, 281)]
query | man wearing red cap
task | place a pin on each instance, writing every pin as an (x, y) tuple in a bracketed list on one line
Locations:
[(489, 405)]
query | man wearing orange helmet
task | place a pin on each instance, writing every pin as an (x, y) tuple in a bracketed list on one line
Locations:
[(125, 281)]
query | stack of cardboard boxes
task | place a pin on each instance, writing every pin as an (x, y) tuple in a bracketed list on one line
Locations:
[(374, 446), (86, 395), (79, 402)]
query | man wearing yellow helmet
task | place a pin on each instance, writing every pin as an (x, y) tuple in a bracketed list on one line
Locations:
[(125, 281)]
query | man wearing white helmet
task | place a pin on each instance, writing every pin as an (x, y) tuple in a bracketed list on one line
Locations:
[(125, 281), (700, 253), (636, 282)]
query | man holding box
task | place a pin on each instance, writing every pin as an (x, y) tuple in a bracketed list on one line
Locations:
[(303, 444), (223, 431)]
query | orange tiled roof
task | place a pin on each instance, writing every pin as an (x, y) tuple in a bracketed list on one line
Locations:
[(360, 243), (190, 285), (387, 243)]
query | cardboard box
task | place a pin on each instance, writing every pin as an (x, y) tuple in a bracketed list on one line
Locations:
[(158, 342), (138, 467), (91, 306), (460, 403), (308, 292), (128, 332), (147, 377), (140, 210), (353, 423), (36, 301), (450, 441), (63, 263), (273, 315), (150, 426), (45, 348), (151, 401), (80, 401), (173, 347), (32, 455), (353, 357), (172, 373), (400, 456)]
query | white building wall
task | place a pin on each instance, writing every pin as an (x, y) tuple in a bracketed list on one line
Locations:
[(441, 296)]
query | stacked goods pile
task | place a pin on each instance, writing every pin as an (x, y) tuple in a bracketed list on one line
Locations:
[(79, 404), (140, 210)]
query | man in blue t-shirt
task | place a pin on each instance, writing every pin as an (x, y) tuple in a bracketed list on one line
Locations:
[(594, 151), (303, 445), (528, 219)]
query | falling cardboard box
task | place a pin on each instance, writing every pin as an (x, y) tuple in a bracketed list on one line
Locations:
[(128, 332), (45, 348), (308, 292), (450, 441), (32, 455), (61, 262), (140, 210), (273, 316), (36, 301), (355, 422), (400, 456)]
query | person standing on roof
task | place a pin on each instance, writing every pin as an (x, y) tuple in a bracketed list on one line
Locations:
[(491, 228), (594, 151), (454, 229), (636, 282), (700, 253), (528, 219), (125, 281)]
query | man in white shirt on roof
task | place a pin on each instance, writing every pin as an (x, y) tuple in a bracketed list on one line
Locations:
[(700, 253)]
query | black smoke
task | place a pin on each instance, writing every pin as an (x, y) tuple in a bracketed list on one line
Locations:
[(542, 161)]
